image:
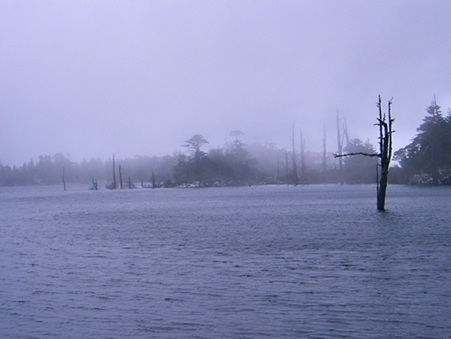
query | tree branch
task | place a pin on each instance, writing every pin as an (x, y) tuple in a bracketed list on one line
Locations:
[(372, 155)]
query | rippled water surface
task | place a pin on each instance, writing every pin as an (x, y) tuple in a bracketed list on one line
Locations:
[(253, 262)]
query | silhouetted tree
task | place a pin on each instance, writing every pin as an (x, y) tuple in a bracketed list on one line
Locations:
[(197, 164), (427, 159), (241, 161), (385, 152), (195, 143)]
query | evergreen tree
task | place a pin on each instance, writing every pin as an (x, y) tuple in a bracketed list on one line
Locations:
[(427, 159)]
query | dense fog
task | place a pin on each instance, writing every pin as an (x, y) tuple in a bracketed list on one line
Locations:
[(91, 78)]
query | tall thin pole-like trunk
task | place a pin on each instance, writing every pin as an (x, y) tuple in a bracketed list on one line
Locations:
[(345, 133), (114, 173), (286, 166), (302, 155), (377, 179), (154, 184), (324, 150), (64, 179), (385, 154), (120, 175), (340, 145), (295, 171)]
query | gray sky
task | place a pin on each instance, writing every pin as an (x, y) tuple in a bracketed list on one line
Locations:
[(90, 78)]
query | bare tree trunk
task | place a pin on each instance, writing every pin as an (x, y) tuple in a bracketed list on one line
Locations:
[(120, 175), (154, 184), (340, 145), (345, 132), (340, 150), (94, 184), (385, 145), (64, 180), (302, 156), (114, 173), (324, 150), (385, 152), (286, 166), (295, 172)]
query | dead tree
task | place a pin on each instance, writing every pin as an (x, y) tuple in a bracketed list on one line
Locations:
[(295, 171), (94, 184), (340, 139), (114, 173), (154, 183), (385, 124), (302, 156), (286, 166), (386, 150), (120, 175), (345, 132), (324, 149), (340, 145), (64, 179)]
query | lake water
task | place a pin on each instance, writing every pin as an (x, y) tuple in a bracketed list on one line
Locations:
[(250, 262)]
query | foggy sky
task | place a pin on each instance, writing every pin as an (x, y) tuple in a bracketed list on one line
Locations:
[(92, 78)]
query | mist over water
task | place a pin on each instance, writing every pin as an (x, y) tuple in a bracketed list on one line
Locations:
[(250, 262), (93, 78)]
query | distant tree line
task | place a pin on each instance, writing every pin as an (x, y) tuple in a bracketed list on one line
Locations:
[(48, 170), (234, 164), (426, 160)]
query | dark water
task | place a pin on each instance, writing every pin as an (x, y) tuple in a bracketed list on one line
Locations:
[(254, 262)]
